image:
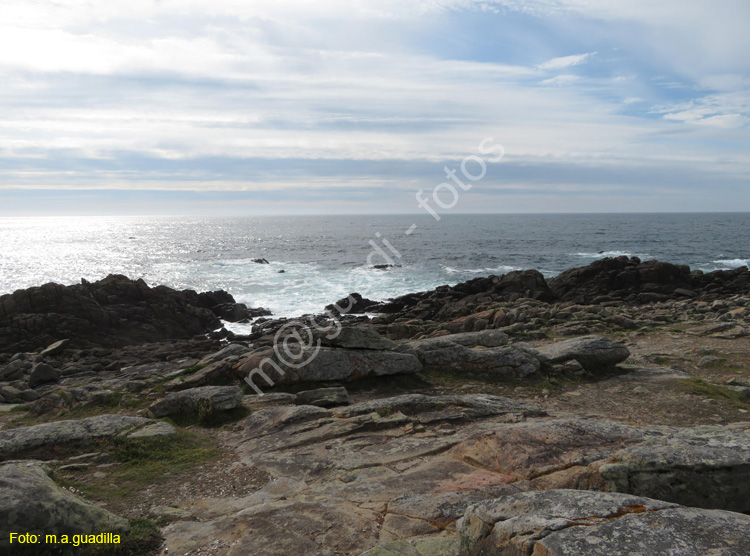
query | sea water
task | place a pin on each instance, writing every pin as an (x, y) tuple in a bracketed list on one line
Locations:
[(324, 258)]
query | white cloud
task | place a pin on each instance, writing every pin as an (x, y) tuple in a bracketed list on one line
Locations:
[(560, 80), (565, 61), (272, 79)]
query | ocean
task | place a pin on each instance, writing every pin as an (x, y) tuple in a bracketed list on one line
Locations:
[(324, 258)]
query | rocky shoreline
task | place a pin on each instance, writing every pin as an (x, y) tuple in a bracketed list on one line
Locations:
[(505, 415)]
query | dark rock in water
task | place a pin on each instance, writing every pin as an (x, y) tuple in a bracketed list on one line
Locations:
[(209, 300), (385, 266), (353, 305), (115, 311), (634, 281), (282, 271), (261, 261), (231, 312), (258, 312)]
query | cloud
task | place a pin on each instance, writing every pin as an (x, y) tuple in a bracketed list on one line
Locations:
[(560, 80), (565, 61), (227, 94)]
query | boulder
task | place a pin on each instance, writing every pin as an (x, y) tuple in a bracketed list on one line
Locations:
[(201, 403), (509, 362), (41, 373), (323, 397), (15, 370), (304, 363), (592, 352), (31, 502), (10, 394), (575, 522), (44, 438)]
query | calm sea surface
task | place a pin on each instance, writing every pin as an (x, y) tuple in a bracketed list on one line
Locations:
[(326, 258)]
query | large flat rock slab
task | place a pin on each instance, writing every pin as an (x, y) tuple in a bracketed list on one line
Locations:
[(574, 522), (706, 466), (316, 364), (63, 433)]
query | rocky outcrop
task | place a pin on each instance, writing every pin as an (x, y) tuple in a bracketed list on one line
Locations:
[(353, 305), (46, 437), (448, 301), (574, 522), (115, 311), (396, 473), (31, 502), (473, 305), (199, 403), (633, 281), (706, 466)]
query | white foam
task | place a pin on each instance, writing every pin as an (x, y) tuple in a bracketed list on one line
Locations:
[(502, 269), (605, 254), (733, 263)]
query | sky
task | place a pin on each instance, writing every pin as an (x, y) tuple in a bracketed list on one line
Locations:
[(355, 106)]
